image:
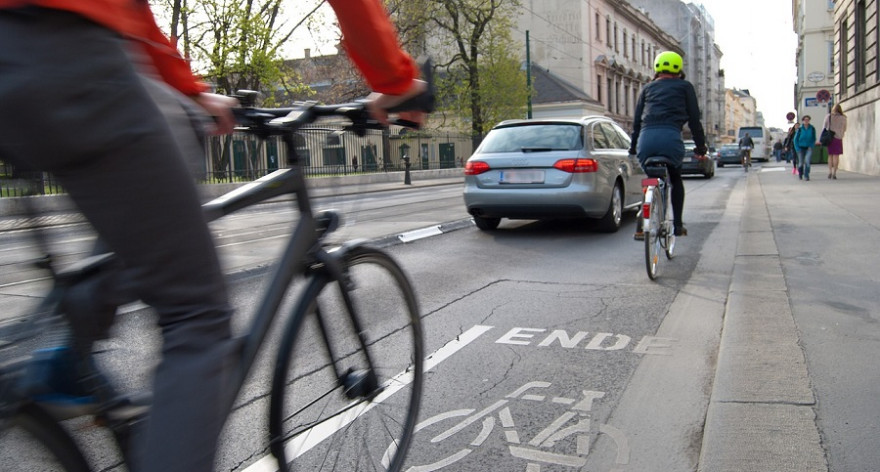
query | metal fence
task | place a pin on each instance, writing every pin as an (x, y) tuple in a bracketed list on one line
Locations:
[(327, 151), (324, 151), (15, 182)]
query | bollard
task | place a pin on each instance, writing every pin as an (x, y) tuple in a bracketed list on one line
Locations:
[(407, 180)]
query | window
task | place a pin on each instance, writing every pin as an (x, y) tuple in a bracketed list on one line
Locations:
[(844, 57), (598, 24), (830, 49), (625, 42), (608, 31), (600, 141), (608, 91), (616, 44), (614, 140), (643, 53), (859, 49), (599, 89), (516, 138)]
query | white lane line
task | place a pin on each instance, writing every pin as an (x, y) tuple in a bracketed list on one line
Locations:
[(311, 438), (417, 234)]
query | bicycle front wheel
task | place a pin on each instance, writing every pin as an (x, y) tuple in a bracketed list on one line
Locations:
[(31, 440), (348, 382), (653, 232)]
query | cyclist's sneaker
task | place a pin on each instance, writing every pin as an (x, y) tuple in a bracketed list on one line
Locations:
[(639, 236), (51, 380), (680, 231)]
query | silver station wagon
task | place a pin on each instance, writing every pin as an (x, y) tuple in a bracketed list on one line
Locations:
[(553, 168)]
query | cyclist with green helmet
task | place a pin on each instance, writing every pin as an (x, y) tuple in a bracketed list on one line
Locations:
[(664, 106)]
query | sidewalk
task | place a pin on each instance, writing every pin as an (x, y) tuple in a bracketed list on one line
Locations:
[(775, 403)]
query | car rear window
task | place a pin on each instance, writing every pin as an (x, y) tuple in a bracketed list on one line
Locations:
[(534, 138), (755, 132)]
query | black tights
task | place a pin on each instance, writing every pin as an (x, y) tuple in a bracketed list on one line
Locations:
[(677, 195)]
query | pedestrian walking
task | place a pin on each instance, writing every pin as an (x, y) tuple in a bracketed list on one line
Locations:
[(788, 147), (804, 139), (835, 122), (777, 150)]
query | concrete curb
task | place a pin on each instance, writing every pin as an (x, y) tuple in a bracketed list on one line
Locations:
[(760, 415)]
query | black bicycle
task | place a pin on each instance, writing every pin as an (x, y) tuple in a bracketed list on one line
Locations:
[(656, 216), (348, 369)]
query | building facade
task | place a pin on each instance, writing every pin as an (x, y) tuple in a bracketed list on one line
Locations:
[(814, 25), (604, 48), (857, 81), (740, 110), (693, 28)]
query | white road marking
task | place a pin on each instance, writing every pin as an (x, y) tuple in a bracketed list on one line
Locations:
[(417, 234), (311, 438)]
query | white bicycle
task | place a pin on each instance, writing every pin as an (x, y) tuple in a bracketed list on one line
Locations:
[(566, 441)]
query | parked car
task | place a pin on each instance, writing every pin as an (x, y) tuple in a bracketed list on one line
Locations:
[(729, 154), (553, 168), (691, 165)]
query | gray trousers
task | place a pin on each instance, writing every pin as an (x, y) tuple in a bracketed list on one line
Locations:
[(72, 103)]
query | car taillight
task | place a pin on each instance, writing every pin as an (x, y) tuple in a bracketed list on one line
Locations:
[(475, 167), (577, 166)]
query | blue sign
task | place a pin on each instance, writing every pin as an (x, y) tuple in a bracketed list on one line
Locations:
[(811, 102)]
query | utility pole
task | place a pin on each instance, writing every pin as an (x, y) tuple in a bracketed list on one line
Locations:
[(529, 76)]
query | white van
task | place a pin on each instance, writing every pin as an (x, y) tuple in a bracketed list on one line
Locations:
[(762, 139)]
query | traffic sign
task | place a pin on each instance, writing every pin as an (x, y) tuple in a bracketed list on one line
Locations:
[(823, 96)]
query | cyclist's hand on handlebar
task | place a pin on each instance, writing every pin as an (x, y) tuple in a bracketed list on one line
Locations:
[(220, 108), (379, 103)]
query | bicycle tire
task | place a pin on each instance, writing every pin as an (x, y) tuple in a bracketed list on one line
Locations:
[(315, 429), (31, 440), (653, 230), (668, 229)]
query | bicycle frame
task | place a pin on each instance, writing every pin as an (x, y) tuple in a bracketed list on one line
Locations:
[(657, 231)]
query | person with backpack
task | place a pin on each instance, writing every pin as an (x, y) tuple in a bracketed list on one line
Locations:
[(804, 139)]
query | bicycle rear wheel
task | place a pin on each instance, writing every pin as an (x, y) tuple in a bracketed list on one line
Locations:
[(32, 441), (327, 411), (668, 233), (653, 231)]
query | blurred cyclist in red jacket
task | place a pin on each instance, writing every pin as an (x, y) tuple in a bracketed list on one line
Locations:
[(93, 92)]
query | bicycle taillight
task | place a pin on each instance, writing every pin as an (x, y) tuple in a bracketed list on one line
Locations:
[(646, 210)]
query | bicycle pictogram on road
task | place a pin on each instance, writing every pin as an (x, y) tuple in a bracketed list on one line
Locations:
[(565, 442)]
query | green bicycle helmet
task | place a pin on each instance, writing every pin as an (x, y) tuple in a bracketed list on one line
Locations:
[(668, 62)]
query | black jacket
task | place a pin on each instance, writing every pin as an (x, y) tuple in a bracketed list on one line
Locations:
[(669, 102)]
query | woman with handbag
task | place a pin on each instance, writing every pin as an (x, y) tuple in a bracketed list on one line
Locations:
[(835, 122)]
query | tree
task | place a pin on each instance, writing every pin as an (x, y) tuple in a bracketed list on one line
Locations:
[(482, 80), (236, 44)]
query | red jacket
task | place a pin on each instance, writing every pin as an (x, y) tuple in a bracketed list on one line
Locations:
[(369, 39), (133, 19)]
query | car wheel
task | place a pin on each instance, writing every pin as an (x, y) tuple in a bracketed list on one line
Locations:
[(610, 223), (487, 224)]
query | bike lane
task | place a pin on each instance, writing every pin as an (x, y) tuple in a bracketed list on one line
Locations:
[(580, 376)]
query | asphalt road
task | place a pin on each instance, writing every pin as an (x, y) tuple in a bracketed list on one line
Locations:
[(751, 352)]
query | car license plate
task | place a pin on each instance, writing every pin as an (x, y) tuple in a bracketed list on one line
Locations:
[(688, 159), (522, 177)]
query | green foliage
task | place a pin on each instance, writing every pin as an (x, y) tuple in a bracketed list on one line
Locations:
[(482, 83), (235, 43)]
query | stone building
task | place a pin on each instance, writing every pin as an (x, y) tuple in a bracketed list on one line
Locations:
[(694, 29), (602, 49), (857, 81)]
